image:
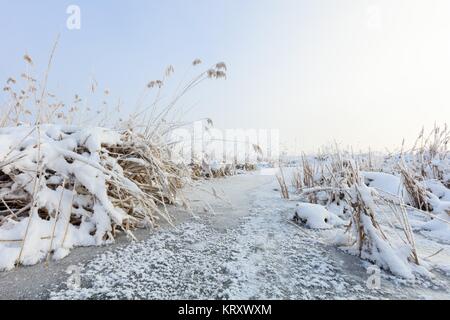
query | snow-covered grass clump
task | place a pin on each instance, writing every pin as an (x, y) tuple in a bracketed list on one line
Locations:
[(377, 197), (364, 234), (65, 186), (75, 173)]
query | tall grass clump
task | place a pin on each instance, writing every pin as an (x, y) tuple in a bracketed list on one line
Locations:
[(335, 180), (65, 184)]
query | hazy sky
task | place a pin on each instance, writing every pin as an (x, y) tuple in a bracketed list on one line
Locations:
[(363, 73)]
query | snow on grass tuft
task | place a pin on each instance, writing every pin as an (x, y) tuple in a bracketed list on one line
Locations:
[(65, 186), (316, 216)]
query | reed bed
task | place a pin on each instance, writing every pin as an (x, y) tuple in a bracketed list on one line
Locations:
[(336, 180), (64, 184)]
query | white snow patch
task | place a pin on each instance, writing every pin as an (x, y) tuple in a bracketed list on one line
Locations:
[(316, 216)]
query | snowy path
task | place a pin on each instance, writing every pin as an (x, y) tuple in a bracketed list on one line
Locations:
[(248, 249)]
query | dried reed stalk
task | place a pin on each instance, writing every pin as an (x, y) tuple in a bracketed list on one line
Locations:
[(418, 195), (283, 187)]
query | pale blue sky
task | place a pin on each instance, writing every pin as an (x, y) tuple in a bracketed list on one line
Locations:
[(362, 72)]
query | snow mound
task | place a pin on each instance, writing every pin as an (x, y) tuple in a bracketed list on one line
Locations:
[(316, 216)]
